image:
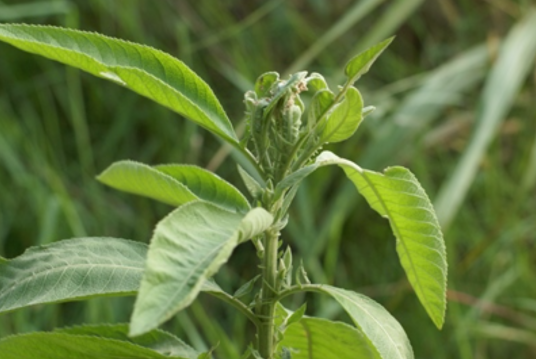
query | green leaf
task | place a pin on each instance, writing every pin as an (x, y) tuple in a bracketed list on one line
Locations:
[(147, 71), (297, 315), (189, 246), (320, 104), (360, 64), (247, 287), (315, 338), (58, 345), (71, 270), (158, 340), (397, 195), (173, 184), (264, 83), (344, 120), (316, 82), (383, 332)]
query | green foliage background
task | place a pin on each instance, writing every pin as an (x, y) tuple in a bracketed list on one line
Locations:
[(59, 128)]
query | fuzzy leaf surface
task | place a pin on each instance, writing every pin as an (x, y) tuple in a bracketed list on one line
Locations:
[(344, 120), (71, 270), (158, 340), (173, 184), (315, 338), (189, 246), (147, 71), (360, 64), (58, 345)]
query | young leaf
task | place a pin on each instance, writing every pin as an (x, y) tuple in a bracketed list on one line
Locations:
[(382, 330), (147, 71), (360, 64), (315, 338), (189, 246), (158, 340), (297, 315), (320, 104), (71, 270), (283, 89), (247, 287), (253, 187), (173, 184), (345, 118), (68, 346)]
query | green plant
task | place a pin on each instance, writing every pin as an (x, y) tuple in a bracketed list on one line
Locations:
[(189, 245)]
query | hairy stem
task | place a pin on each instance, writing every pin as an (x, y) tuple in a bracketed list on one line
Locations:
[(268, 295)]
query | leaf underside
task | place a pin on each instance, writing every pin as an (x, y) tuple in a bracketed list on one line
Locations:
[(188, 247), (71, 270), (147, 71)]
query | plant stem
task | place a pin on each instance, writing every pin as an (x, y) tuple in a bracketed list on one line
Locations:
[(268, 295)]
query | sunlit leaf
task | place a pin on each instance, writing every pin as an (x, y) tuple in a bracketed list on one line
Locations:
[(173, 184), (345, 118), (189, 246), (71, 270), (397, 195)]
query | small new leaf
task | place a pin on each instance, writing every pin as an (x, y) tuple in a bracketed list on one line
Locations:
[(344, 120), (297, 315), (246, 288)]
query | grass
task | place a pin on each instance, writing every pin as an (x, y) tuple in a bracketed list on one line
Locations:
[(451, 106)]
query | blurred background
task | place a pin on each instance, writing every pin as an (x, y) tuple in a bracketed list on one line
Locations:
[(456, 103)]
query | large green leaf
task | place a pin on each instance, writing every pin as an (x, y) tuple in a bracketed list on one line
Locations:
[(147, 71), (398, 196), (188, 247), (173, 184), (360, 64), (58, 345), (315, 338), (344, 120), (71, 270), (158, 340)]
